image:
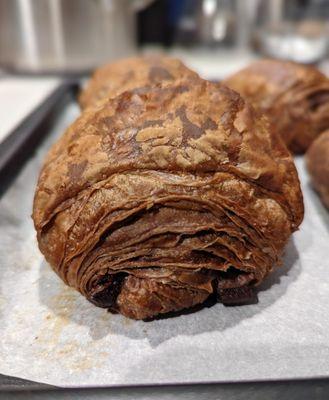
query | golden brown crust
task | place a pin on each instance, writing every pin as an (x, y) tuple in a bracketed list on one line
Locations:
[(317, 159), (295, 98), (117, 77), (160, 192)]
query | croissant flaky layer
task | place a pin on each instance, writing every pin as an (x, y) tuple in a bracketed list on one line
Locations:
[(317, 158), (164, 196), (295, 98), (130, 73)]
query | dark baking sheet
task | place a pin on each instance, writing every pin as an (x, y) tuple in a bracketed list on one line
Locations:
[(20, 144), (318, 389), (14, 152)]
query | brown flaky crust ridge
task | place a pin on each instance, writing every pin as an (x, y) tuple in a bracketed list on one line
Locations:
[(295, 98), (165, 195), (317, 159), (112, 79)]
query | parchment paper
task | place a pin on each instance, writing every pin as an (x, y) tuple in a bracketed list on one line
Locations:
[(50, 333)]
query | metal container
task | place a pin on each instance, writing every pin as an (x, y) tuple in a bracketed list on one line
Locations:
[(296, 29), (42, 36)]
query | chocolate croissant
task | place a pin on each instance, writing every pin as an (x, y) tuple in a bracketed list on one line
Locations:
[(317, 159), (117, 77), (164, 196), (295, 98)]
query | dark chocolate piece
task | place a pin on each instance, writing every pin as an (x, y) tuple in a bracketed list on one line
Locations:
[(237, 296), (107, 290)]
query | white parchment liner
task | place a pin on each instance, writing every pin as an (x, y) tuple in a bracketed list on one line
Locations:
[(49, 333)]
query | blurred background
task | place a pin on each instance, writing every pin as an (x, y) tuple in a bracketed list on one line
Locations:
[(43, 42), (74, 36)]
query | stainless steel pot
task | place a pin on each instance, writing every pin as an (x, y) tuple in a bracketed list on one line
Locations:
[(65, 35)]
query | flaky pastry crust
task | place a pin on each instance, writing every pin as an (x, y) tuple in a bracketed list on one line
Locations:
[(317, 159), (295, 98), (112, 79), (164, 196)]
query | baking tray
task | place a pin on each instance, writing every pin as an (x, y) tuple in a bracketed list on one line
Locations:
[(15, 150), (21, 143)]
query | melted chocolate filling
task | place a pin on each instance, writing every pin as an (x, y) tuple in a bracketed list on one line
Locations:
[(107, 290), (231, 288), (237, 296), (317, 99)]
